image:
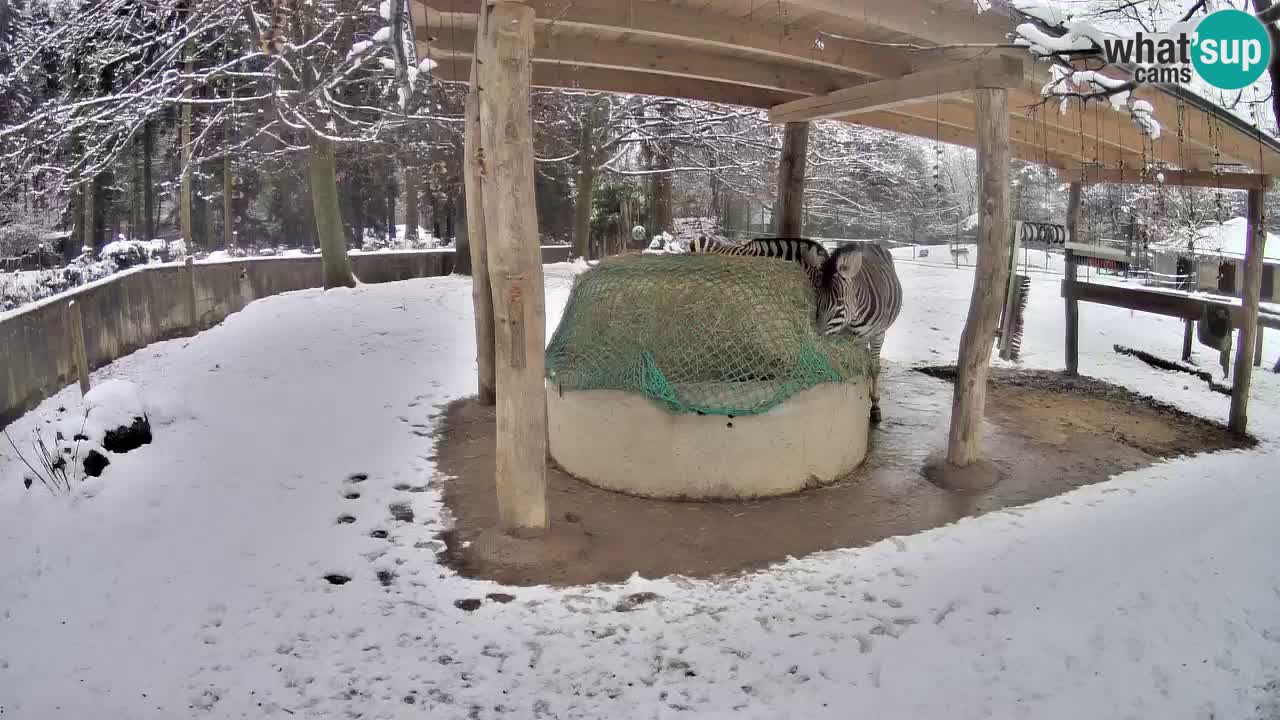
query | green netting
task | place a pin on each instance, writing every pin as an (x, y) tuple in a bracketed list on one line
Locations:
[(698, 333)]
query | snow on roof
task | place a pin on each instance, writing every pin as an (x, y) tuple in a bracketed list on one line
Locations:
[(1228, 239)]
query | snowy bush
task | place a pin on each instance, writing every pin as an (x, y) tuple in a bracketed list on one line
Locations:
[(124, 254), (660, 241), (20, 288), (85, 269), (19, 238), (59, 467), (114, 421)]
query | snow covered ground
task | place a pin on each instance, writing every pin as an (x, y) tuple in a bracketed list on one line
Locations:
[(190, 582), (1029, 260)]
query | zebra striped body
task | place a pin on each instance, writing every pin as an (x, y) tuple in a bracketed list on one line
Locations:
[(809, 254), (859, 294)]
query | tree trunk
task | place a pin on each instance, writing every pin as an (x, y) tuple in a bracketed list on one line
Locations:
[(585, 183), (184, 208), (324, 203), (228, 210), (77, 224), (788, 216), (91, 217), (148, 192), (511, 230), (410, 206), (392, 191), (357, 216), (964, 445), (135, 193), (1273, 68), (660, 219), (209, 213)]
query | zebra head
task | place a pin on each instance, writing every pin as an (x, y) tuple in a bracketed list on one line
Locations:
[(836, 290)]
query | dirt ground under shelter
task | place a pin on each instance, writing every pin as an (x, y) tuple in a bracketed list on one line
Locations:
[(1046, 432)]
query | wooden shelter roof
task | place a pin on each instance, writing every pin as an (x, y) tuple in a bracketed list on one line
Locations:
[(764, 53)]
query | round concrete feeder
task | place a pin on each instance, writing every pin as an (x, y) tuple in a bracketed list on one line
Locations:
[(628, 443)]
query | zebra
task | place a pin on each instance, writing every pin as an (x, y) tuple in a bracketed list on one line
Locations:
[(809, 254), (858, 290), (859, 294)]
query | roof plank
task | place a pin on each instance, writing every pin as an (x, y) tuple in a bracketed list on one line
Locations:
[(987, 72)]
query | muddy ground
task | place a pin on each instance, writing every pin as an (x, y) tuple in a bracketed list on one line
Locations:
[(1046, 432)]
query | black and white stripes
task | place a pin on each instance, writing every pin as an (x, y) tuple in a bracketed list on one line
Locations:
[(809, 254), (859, 294), (858, 290)]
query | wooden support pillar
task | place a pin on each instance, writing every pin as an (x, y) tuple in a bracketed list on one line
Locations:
[(189, 294), (1073, 305), (1188, 337), (78, 353), (505, 73), (788, 218), (1257, 347), (964, 443), (1251, 290), (478, 249)]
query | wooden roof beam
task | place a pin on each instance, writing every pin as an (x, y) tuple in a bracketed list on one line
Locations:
[(684, 25), (458, 69), (1051, 141), (1188, 178), (927, 129), (935, 21), (1200, 132), (987, 72), (554, 47)]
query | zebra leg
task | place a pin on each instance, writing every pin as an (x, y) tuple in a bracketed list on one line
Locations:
[(876, 342)]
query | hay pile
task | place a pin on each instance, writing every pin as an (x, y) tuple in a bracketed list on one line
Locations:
[(698, 333)]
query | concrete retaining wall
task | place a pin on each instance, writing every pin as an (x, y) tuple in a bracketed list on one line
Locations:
[(129, 311)]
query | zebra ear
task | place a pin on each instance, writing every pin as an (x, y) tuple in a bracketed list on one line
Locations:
[(848, 264)]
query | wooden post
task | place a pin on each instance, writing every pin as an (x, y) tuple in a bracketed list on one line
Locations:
[(964, 443), (481, 292), (1188, 337), (78, 353), (1250, 292), (505, 73), (1073, 305), (1257, 347), (189, 271), (788, 220)]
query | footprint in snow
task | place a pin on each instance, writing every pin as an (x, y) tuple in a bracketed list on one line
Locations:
[(402, 512)]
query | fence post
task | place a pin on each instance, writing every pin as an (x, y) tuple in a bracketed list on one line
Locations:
[(1072, 349), (192, 320), (78, 352)]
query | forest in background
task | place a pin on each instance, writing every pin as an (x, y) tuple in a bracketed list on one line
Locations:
[(246, 127)]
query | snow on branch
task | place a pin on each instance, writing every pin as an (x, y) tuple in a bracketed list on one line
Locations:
[(1050, 34)]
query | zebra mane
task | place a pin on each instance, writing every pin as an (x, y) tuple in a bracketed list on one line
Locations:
[(832, 262)]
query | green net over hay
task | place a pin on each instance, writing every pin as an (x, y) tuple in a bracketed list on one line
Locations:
[(698, 333)]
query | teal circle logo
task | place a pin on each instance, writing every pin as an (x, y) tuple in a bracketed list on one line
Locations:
[(1232, 49)]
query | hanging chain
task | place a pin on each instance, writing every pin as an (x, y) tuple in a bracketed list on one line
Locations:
[(937, 157), (1182, 161), (1219, 200)]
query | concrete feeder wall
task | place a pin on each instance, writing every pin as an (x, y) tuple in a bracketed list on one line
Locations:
[(628, 443)]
